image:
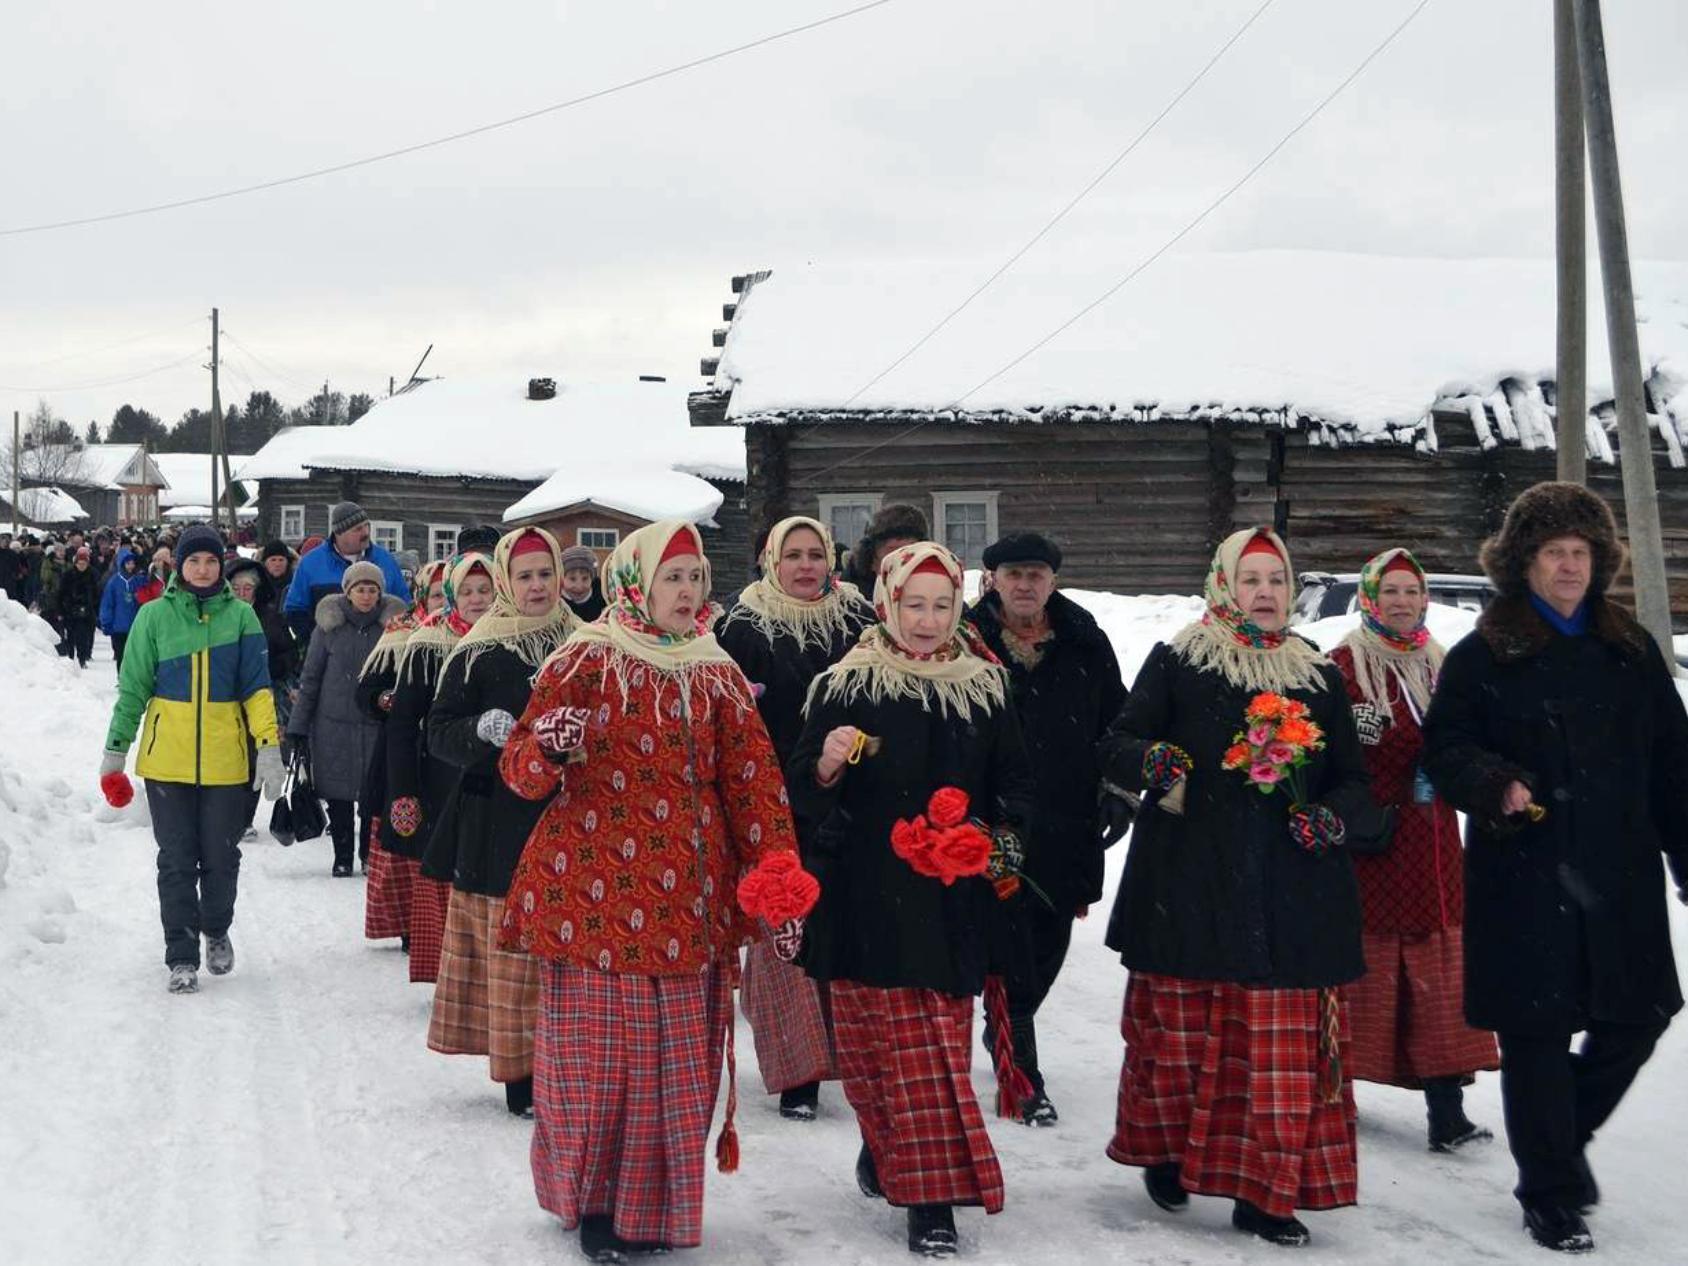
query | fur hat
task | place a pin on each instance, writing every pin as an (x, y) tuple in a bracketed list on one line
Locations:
[(1536, 517), (896, 523), (478, 538), (360, 572), (275, 549), (345, 516)]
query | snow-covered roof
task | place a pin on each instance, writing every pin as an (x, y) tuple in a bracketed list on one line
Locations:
[(283, 455), (49, 505), (644, 490), (189, 476), (1359, 346), (202, 513), (105, 466)]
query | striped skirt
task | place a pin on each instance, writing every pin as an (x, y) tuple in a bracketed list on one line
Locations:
[(783, 1006), (626, 1070), (387, 894), (485, 999), (1408, 1012), (905, 1058), (430, 901), (1225, 1081)]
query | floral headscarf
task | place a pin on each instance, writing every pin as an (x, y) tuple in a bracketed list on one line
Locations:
[(388, 651), (1413, 659)]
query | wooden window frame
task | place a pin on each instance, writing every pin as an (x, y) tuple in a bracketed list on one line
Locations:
[(395, 527), (830, 501), (941, 501), (281, 526), (434, 530), (580, 537)]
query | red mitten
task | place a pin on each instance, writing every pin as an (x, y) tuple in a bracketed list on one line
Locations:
[(116, 788)]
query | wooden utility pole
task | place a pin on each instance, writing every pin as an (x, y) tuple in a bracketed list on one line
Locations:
[(216, 421), (1571, 222), (17, 456), (1635, 437)]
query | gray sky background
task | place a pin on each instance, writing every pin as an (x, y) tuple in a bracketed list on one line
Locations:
[(597, 243)]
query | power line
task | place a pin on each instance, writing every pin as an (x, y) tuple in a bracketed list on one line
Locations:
[(268, 368), (1060, 215), (111, 382), (465, 134), (106, 347), (1135, 272)]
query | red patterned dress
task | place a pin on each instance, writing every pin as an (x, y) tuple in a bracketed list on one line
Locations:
[(1407, 1011)]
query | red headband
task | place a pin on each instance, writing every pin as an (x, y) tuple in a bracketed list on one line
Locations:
[(1401, 563), (932, 565), (529, 542), (1260, 544), (680, 544)]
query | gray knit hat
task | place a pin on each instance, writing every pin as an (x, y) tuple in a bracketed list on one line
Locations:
[(344, 517), (359, 572), (580, 556)]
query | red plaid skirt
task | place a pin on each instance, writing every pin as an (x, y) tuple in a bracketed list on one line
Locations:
[(625, 1074), (1408, 1012), (905, 1058), (429, 902), (783, 1006), (387, 895), (485, 999), (1225, 1081)]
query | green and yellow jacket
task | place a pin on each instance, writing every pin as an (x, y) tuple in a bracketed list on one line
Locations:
[(196, 683)]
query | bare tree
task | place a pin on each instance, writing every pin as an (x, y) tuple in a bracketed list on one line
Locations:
[(48, 451)]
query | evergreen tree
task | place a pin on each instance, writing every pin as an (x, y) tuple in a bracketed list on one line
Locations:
[(130, 425), (93, 433)]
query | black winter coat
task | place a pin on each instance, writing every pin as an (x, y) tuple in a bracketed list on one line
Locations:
[(412, 769), (284, 651), (79, 595), (1565, 919), (1065, 706), (1222, 892), (877, 922), (483, 825), (373, 689)]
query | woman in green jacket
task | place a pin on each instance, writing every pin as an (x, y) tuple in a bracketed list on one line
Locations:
[(196, 684)]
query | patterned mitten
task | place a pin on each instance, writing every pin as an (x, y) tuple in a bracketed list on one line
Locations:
[(1164, 764), (1008, 855), (405, 814), (1370, 721), (561, 731), (788, 939), (494, 727), (1316, 829)]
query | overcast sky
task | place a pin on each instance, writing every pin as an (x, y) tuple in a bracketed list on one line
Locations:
[(597, 243)]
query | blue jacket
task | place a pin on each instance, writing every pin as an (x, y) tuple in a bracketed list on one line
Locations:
[(319, 575), (117, 603)]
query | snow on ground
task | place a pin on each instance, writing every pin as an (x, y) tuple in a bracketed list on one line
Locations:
[(291, 1113)]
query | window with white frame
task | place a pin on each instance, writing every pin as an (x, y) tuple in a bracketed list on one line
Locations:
[(388, 534), (442, 540), (598, 538), (847, 515), (965, 523), (292, 523)]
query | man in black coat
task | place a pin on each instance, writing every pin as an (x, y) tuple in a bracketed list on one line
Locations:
[(1557, 728), (1067, 690)]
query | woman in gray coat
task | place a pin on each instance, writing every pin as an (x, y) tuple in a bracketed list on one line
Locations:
[(330, 733)]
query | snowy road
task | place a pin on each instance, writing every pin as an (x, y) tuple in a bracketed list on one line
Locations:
[(290, 1112)]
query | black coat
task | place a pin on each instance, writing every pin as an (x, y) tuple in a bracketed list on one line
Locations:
[(79, 595), (1565, 919), (877, 922), (372, 690), (412, 769), (1222, 892), (1065, 705), (591, 607), (483, 825), (782, 672), (284, 651)]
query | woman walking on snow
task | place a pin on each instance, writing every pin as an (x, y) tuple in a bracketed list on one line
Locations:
[(485, 998), (785, 630), (1238, 913), (906, 718), (196, 685), (1407, 1011), (661, 790)]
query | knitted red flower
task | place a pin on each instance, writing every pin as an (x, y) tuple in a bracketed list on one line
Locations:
[(912, 841), (960, 851), (117, 788), (948, 806), (778, 889)]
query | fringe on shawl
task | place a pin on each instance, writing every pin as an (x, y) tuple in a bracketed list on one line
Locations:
[(388, 651), (426, 650), (1375, 661), (1293, 664), (878, 680), (532, 646), (718, 679), (771, 613)]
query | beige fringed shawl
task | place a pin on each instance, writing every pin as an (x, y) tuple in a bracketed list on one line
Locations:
[(530, 638), (770, 610), (1413, 659)]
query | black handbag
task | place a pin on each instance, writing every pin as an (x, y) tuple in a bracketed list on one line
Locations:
[(309, 820), (281, 815)]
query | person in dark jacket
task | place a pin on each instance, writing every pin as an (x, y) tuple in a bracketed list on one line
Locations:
[(903, 952), (784, 630), (1067, 690), (321, 571), (79, 606), (11, 566), (486, 1000), (582, 589), (1557, 729), (251, 584), (278, 563), (330, 733), (119, 603), (892, 526), (1238, 913)]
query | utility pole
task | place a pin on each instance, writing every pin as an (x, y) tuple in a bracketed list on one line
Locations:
[(216, 420), (17, 453), (1635, 438), (1571, 223)]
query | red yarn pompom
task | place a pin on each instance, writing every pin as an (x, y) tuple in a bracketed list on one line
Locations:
[(948, 806), (778, 889), (116, 788)]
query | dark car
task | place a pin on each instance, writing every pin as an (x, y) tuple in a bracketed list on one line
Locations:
[(1325, 594)]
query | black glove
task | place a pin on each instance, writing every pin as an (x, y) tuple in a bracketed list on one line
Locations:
[(1114, 816)]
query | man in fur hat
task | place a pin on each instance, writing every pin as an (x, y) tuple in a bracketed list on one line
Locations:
[(892, 526), (1557, 728)]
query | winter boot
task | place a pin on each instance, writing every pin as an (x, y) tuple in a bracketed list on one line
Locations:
[(1450, 1128), (598, 1240), (1589, 1196), (1038, 1110), (931, 1230), (867, 1175), (249, 835), (1556, 1227), (219, 955), (1287, 1232), (342, 870), (1165, 1188), (518, 1098), (184, 978), (801, 1103)]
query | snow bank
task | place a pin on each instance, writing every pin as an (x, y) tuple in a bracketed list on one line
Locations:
[(643, 490)]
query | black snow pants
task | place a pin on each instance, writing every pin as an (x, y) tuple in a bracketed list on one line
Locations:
[(348, 827), (198, 833)]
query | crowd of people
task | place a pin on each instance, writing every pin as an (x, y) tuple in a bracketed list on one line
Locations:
[(593, 805)]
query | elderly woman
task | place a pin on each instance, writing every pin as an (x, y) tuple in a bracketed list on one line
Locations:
[(1238, 913), (903, 950), (785, 630), (1407, 1011), (660, 789)]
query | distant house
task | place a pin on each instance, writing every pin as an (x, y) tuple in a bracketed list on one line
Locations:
[(116, 485), (591, 462), (43, 508), (1355, 402), (187, 497)]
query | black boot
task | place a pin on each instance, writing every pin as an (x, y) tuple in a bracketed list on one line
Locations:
[(342, 870), (867, 1175), (1288, 1232), (598, 1240), (931, 1230), (1450, 1128), (1165, 1188), (518, 1097), (1554, 1226), (801, 1103)]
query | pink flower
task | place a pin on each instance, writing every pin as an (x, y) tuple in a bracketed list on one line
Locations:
[(1279, 753), (1265, 773), (1260, 733)]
